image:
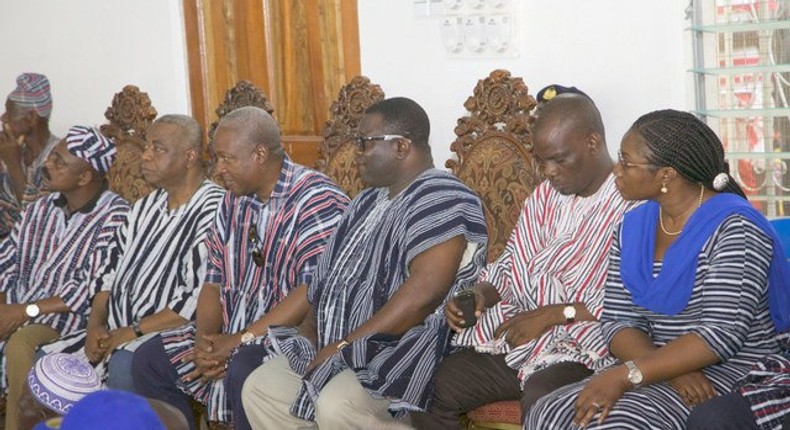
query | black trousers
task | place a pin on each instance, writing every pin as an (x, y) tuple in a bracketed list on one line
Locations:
[(727, 412), (468, 380)]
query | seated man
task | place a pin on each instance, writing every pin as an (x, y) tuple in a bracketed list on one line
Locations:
[(539, 302), (54, 251), (375, 331), (157, 259), (25, 144), (262, 247)]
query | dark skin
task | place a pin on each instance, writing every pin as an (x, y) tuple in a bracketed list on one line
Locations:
[(173, 164), (23, 137), (680, 362), (79, 184), (576, 162), (246, 167), (395, 164)]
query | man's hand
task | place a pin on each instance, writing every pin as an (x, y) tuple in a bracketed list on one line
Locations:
[(454, 316), (10, 149), (323, 355), (119, 337), (525, 326), (693, 387), (96, 343), (211, 354), (11, 318)]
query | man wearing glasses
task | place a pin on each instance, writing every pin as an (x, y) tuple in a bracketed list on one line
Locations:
[(262, 251), (54, 251), (374, 334), (157, 259), (538, 304)]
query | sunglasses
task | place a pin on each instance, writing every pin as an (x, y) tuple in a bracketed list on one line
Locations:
[(257, 246), (362, 140)]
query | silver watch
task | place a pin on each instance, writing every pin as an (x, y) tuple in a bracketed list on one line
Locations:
[(32, 310), (247, 337), (635, 376), (569, 312)]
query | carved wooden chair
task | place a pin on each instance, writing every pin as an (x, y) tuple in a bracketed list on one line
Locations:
[(494, 159), (338, 150), (129, 116)]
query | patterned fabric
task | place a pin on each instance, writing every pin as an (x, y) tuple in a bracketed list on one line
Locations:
[(728, 310), (767, 388), (53, 253), (366, 262), (157, 260), (32, 92), (11, 207), (293, 226), (557, 254), (89, 144), (58, 381)]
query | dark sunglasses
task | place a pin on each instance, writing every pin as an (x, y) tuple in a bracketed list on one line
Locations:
[(252, 237)]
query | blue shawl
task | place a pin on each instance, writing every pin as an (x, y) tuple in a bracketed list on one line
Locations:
[(670, 291)]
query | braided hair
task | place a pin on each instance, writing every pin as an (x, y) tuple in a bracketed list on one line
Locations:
[(682, 141)]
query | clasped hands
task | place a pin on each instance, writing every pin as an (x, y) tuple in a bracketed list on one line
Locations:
[(210, 356), (100, 342)]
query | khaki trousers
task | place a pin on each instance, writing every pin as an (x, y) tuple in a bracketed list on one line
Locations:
[(20, 352), (343, 404)]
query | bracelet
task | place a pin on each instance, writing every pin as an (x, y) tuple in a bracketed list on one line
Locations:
[(137, 330), (343, 343)]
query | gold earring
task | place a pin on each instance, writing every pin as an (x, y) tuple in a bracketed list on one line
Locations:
[(664, 189)]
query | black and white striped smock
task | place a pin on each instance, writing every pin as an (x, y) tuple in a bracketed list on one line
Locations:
[(728, 309)]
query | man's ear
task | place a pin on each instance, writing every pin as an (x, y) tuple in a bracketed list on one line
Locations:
[(86, 177), (192, 156), (402, 148), (594, 142), (261, 154)]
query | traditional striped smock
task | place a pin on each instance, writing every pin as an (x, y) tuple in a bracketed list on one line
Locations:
[(767, 388), (728, 310), (366, 262), (51, 253), (11, 207), (157, 261), (557, 254), (293, 226)]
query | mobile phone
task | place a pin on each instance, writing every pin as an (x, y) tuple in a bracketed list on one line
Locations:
[(465, 300)]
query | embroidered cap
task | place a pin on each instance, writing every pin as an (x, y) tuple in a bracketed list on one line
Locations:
[(59, 380), (32, 92), (92, 146)]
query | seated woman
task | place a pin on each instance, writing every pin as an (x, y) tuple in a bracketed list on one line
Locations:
[(697, 285)]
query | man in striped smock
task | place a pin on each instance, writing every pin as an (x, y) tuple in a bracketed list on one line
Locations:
[(375, 332), (25, 144), (157, 259), (539, 303), (262, 249), (54, 251)]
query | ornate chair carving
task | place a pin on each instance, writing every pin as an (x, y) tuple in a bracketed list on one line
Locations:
[(243, 94), (129, 116), (493, 149), (338, 150)]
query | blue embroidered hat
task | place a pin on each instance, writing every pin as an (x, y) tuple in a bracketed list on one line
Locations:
[(59, 380)]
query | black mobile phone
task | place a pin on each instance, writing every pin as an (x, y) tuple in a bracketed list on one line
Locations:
[(465, 299)]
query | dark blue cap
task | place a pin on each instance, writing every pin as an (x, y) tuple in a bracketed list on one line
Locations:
[(554, 90)]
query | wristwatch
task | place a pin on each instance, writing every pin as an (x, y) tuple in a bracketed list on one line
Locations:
[(32, 310), (136, 328), (635, 376), (247, 337), (570, 313)]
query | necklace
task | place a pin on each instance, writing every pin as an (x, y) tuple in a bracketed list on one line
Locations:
[(661, 215)]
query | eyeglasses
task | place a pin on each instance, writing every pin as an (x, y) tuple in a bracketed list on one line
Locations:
[(628, 164), (257, 246), (361, 140)]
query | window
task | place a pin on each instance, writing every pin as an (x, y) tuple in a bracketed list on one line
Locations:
[(742, 84)]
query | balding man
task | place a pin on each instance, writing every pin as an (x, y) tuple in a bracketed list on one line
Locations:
[(538, 304), (366, 353), (25, 144), (262, 250), (157, 259)]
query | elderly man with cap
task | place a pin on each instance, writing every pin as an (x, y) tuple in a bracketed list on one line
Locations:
[(25, 144), (53, 252), (158, 258)]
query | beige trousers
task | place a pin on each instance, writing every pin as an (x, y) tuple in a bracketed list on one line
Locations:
[(20, 351), (343, 404)]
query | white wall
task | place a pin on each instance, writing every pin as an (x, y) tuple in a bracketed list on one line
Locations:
[(90, 49), (630, 56)]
